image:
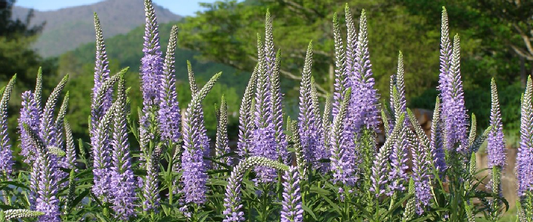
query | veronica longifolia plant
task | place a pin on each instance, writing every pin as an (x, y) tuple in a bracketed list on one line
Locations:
[(524, 160), (333, 166), (6, 157), (193, 165)]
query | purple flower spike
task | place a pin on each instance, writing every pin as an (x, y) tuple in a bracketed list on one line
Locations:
[(292, 200), (271, 67), (496, 143), (398, 174), (421, 177), (101, 74), (122, 179), (246, 122), (445, 52), (340, 78), (102, 156), (44, 185), (30, 114), (363, 110), (169, 112), (524, 160), (6, 156), (194, 148), (263, 136), (451, 91), (309, 124), (222, 141), (151, 72), (343, 172)]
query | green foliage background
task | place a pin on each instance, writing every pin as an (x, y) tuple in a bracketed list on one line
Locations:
[(223, 38)]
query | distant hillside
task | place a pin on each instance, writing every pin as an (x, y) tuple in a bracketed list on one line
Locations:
[(126, 50), (68, 28)]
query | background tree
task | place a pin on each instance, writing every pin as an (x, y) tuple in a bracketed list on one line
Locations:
[(18, 57), (492, 34), (16, 54)]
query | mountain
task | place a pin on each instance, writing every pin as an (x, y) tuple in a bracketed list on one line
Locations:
[(68, 28), (125, 50)]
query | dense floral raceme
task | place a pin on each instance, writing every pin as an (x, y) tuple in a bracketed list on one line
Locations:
[(169, 111), (6, 156), (122, 178), (292, 201), (194, 149), (524, 160), (263, 136), (496, 143), (151, 72), (451, 91), (308, 121), (348, 159)]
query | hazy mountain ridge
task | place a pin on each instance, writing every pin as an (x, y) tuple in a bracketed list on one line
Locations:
[(68, 28)]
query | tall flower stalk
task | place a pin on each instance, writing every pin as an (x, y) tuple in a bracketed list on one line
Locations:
[(496, 146), (451, 92), (524, 160), (222, 142), (272, 68), (194, 168), (101, 74), (232, 200), (308, 120), (122, 179), (169, 111), (340, 59), (363, 108), (292, 200), (6, 156), (421, 174), (246, 115), (263, 135), (151, 72), (43, 174)]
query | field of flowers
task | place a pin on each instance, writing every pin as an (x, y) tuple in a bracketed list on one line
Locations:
[(326, 165)]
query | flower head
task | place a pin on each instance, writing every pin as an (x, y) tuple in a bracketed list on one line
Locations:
[(122, 189), (496, 143), (6, 157), (169, 111), (524, 160), (292, 200)]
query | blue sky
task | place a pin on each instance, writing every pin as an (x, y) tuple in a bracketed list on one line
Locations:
[(180, 7)]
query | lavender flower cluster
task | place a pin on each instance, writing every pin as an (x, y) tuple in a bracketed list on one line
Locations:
[(337, 146)]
